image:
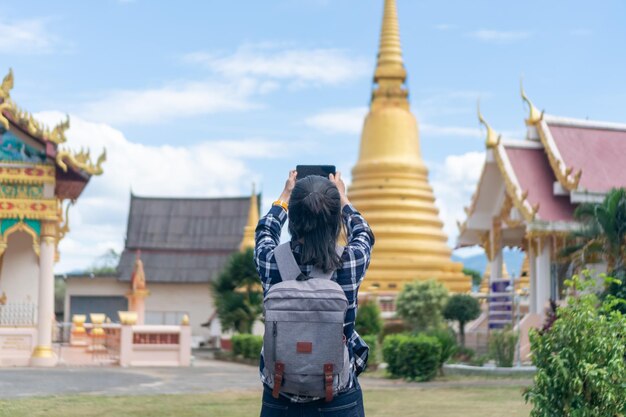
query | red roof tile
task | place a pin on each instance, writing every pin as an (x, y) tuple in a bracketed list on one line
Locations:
[(600, 153), (534, 174)]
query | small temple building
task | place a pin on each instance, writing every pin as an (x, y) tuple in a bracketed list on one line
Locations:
[(527, 194), (180, 245), (40, 180), (390, 184)]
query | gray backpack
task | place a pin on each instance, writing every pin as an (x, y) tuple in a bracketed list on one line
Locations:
[(304, 347)]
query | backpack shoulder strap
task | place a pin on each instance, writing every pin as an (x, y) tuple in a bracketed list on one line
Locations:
[(287, 265)]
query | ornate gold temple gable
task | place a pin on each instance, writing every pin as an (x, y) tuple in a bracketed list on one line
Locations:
[(17, 227), (81, 160), (26, 120), (513, 189)]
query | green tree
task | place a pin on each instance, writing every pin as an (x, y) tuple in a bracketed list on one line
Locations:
[(462, 308), (105, 264), (420, 304), (237, 295), (580, 359), (368, 319), (477, 277), (602, 237)]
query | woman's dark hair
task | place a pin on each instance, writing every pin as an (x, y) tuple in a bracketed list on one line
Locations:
[(315, 220)]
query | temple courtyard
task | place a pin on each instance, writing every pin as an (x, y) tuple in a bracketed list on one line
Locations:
[(215, 388)]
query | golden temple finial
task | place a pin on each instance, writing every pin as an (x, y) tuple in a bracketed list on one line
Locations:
[(5, 91), (253, 218), (534, 115), (81, 160), (7, 85), (493, 139), (390, 73), (57, 134)]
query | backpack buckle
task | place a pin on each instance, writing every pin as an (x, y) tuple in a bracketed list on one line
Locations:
[(279, 369), (328, 381)]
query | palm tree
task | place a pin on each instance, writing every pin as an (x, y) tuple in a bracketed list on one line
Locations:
[(602, 237)]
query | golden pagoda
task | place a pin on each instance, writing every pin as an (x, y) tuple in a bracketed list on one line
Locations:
[(390, 183)]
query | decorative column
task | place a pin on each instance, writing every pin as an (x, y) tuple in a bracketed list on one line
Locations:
[(43, 355), (543, 274), (496, 248), (532, 271)]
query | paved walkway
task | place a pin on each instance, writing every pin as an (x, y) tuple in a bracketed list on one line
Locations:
[(204, 376)]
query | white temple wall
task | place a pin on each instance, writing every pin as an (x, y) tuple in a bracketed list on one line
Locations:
[(19, 277), (166, 304), (169, 301)]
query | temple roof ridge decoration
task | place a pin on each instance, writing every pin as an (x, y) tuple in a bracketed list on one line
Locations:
[(534, 184), (12, 115)]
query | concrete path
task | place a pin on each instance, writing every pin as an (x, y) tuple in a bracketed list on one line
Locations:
[(204, 376)]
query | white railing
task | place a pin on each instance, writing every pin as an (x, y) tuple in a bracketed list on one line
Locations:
[(17, 314)]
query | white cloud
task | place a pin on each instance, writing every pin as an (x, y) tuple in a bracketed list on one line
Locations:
[(499, 36), (342, 121), (27, 37), (173, 101), (280, 62), (98, 221), (454, 181)]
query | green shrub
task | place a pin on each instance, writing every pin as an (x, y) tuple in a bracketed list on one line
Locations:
[(237, 341), (447, 340), (246, 345), (420, 304), (368, 319), (420, 357), (580, 359), (502, 344), (391, 346), (479, 361), (253, 347), (412, 357), (372, 342)]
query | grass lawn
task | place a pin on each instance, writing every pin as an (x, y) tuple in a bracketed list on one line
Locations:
[(401, 402)]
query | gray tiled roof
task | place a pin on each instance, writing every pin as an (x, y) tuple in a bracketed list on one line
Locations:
[(175, 266), (182, 239)]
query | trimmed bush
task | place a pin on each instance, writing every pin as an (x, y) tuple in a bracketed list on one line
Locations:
[(412, 357), (247, 346), (447, 339), (372, 342), (502, 344), (420, 304), (394, 327)]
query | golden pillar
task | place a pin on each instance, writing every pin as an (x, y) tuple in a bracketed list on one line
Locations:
[(390, 182)]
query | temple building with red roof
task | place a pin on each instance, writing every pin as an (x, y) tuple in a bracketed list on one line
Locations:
[(527, 194)]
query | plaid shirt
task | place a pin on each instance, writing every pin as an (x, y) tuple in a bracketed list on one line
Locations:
[(355, 257)]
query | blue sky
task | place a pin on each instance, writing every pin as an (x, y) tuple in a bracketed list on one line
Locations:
[(202, 98)]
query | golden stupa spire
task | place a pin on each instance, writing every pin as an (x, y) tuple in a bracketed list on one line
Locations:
[(253, 218), (390, 73), (390, 182)]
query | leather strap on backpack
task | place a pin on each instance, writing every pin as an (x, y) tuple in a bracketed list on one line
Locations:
[(328, 381), (279, 369)]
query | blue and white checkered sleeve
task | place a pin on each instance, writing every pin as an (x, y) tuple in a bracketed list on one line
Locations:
[(267, 237), (360, 242)]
